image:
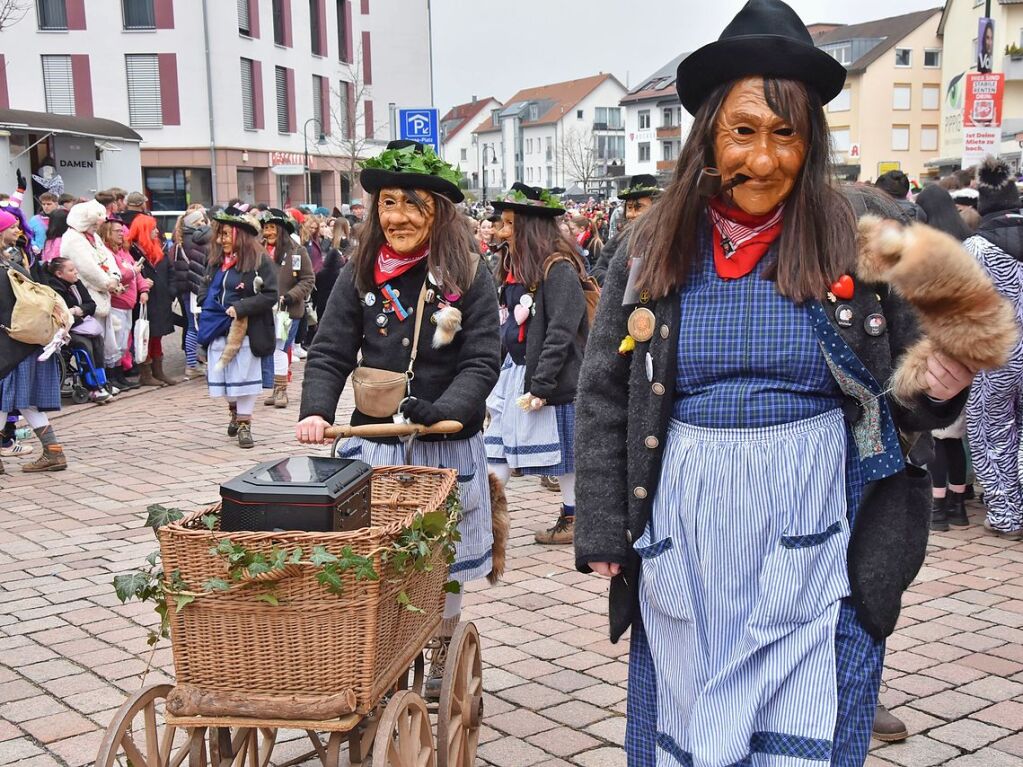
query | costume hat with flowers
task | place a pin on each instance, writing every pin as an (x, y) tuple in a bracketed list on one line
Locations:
[(410, 165), (642, 185), (529, 201), (279, 217), (239, 218), (766, 38)]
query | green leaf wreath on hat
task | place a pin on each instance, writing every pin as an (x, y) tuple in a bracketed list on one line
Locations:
[(408, 160)]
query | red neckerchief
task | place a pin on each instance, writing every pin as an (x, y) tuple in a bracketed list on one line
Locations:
[(749, 236), (391, 264), (229, 261)]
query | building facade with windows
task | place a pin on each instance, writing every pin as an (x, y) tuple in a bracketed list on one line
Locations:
[(459, 145), (958, 32), (283, 78), (656, 125), (569, 135), (888, 115)]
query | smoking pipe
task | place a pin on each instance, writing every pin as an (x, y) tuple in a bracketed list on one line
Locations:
[(709, 182)]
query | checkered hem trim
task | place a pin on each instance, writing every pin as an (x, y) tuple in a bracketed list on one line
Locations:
[(774, 743), (655, 549)]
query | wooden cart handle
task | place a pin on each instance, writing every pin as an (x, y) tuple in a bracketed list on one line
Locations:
[(392, 430)]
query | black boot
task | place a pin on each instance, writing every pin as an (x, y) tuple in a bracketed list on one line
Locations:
[(939, 515), (955, 509)]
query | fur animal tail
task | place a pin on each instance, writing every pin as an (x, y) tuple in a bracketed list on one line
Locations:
[(235, 336), (449, 322), (501, 524)]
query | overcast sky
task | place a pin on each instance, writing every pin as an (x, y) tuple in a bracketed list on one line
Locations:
[(494, 49)]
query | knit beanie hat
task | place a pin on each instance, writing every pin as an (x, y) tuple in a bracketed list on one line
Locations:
[(7, 220), (996, 187)]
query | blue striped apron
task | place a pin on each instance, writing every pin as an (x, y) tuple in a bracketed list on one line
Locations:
[(473, 553)]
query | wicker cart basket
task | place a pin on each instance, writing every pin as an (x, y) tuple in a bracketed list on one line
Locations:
[(313, 643)]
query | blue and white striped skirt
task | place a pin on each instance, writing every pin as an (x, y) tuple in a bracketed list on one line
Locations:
[(241, 377), (536, 442), (473, 554), (32, 384), (742, 581)]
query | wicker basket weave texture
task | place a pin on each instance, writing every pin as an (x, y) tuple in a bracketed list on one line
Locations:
[(313, 642)]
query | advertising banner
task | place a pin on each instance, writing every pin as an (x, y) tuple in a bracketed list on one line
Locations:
[(982, 116), (985, 44)]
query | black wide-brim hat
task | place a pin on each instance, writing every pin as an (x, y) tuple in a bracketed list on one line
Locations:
[(375, 179), (767, 39), (641, 185), (245, 221), (279, 217), (533, 206)]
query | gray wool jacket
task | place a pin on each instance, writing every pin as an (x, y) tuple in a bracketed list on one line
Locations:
[(556, 337), (621, 424)]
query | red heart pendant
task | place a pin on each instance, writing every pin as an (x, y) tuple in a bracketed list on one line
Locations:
[(843, 287)]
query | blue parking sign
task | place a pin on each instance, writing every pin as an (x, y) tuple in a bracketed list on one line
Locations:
[(420, 125)]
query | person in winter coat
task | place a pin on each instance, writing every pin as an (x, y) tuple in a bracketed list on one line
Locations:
[(295, 282), (995, 408), (55, 229), (415, 266), (532, 408), (33, 385), (97, 268), (731, 419), (192, 238), (86, 332), (237, 299), (134, 292), (143, 241)]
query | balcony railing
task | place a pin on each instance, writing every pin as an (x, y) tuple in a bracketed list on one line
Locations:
[(607, 127), (666, 165), (669, 131), (1013, 68)]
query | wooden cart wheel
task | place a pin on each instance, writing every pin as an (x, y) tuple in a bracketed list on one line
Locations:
[(137, 735), (460, 710), (404, 737)]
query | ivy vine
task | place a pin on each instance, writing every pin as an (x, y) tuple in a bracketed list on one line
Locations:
[(412, 551)]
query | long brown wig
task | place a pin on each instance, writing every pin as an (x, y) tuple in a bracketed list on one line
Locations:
[(535, 239), (246, 246), (817, 243), (451, 244)]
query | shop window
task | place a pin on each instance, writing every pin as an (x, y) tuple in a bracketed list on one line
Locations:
[(174, 189)]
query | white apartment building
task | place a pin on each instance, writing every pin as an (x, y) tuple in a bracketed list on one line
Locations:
[(239, 123), (568, 135), (655, 124), (458, 142)]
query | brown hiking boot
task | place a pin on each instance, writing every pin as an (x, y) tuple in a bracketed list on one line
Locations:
[(888, 727), (160, 375), (561, 534), (550, 483), (52, 459), (232, 427), (437, 652), (245, 434), (146, 377), (280, 393)]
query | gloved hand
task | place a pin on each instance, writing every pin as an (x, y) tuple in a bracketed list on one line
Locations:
[(422, 412), (22, 183), (288, 300)]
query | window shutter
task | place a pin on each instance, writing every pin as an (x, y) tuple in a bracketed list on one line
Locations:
[(282, 99), (244, 24), (317, 99), (248, 108), (58, 85), (145, 109)]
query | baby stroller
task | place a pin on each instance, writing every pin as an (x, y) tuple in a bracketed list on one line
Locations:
[(81, 380)]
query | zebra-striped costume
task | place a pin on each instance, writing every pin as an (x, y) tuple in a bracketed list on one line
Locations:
[(994, 412)]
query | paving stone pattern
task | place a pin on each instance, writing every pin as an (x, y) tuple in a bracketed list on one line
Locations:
[(70, 652)]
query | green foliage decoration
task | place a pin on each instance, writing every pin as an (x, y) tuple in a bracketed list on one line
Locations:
[(408, 160)]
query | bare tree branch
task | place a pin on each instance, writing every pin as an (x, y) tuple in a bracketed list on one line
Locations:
[(12, 11), (579, 156), (348, 120)]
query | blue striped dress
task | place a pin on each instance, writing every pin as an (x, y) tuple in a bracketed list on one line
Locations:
[(748, 652)]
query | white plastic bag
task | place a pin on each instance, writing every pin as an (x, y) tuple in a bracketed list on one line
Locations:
[(142, 336)]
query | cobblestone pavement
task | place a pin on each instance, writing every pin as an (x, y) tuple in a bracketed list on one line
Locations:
[(69, 652)]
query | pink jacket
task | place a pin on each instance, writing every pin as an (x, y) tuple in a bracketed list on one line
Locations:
[(133, 282)]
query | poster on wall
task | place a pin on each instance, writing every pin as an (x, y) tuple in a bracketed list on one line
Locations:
[(985, 44)]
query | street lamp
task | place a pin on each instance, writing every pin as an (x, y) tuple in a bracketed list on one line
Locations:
[(321, 141), (493, 154)]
